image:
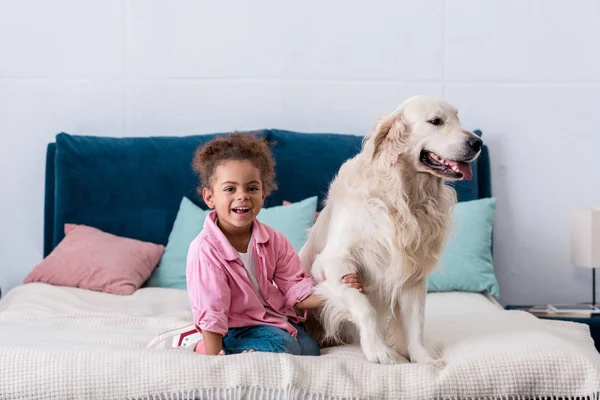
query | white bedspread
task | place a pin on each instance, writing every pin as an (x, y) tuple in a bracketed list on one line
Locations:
[(65, 343)]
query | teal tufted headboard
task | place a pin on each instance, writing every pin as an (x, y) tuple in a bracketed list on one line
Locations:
[(132, 187)]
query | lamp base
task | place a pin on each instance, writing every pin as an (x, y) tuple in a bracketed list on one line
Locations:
[(594, 287), (593, 302)]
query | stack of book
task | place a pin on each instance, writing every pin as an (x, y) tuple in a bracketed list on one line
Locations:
[(565, 310)]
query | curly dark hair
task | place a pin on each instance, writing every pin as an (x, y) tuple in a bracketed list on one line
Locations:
[(235, 146)]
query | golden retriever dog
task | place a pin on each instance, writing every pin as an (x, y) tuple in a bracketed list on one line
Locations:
[(386, 217)]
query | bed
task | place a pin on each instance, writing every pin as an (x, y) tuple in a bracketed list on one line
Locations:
[(60, 342)]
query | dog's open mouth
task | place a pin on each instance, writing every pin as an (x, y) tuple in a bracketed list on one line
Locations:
[(449, 168)]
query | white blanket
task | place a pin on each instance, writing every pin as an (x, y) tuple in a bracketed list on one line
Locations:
[(65, 343)]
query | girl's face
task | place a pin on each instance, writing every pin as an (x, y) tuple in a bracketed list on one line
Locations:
[(237, 194)]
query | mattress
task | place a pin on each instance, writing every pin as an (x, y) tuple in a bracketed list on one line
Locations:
[(59, 342)]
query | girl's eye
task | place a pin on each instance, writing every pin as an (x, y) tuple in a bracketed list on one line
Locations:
[(253, 189), (228, 189)]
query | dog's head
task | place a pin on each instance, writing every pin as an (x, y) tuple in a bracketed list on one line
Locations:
[(425, 131)]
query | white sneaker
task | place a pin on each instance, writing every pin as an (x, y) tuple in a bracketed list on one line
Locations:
[(185, 338)]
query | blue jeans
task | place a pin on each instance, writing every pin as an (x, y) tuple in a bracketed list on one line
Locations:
[(269, 339)]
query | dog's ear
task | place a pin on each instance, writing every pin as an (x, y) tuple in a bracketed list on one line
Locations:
[(390, 132)]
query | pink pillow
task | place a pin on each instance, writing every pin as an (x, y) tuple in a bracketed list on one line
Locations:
[(287, 203), (89, 258)]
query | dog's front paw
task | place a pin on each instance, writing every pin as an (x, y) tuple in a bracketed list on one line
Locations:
[(421, 356), (439, 364), (380, 353)]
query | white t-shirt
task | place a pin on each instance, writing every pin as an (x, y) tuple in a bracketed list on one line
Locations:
[(248, 261)]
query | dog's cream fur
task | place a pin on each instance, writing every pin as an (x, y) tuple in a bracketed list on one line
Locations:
[(386, 217)]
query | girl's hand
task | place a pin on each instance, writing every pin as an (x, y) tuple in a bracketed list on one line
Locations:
[(353, 281), (221, 353)]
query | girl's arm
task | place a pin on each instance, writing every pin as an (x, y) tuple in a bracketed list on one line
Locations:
[(294, 283), (351, 280), (310, 302), (210, 297), (213, 343)]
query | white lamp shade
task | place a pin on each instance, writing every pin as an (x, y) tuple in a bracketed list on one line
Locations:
[(585, 238)]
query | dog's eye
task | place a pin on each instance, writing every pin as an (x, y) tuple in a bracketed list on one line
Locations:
[(436, 121)]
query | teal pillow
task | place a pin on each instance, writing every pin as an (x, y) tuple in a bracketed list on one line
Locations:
[(292, 221), (466, 264)]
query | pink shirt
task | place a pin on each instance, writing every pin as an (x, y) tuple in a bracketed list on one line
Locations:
[(221, 294)]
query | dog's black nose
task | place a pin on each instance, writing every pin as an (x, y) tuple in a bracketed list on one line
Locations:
[(475, 143)]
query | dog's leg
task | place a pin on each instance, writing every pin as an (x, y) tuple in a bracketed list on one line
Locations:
[(344, 232), (317, 237), (390, 325), (398, 337), (412, 312), (343, 304), (307, 253)]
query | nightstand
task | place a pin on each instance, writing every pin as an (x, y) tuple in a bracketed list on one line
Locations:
[(592, 322)]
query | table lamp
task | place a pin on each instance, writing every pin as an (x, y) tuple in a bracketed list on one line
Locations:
[(585, 242)]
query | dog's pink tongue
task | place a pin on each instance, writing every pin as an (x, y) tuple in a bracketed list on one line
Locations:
[(463, 167)]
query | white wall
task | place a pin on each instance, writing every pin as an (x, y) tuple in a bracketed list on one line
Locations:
[(525, 72)]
